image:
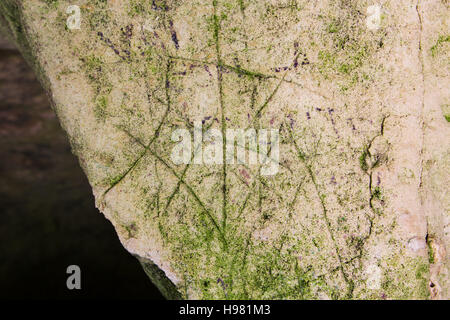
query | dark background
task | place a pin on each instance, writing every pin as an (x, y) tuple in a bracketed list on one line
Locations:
[(48, 219)]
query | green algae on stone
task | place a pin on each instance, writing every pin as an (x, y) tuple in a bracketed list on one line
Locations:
[(139, 70)]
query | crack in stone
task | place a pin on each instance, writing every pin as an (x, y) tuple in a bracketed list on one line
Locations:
[(422, 73), (369, 173)]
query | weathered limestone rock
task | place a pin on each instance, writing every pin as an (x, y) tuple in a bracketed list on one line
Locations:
[(359, 206)]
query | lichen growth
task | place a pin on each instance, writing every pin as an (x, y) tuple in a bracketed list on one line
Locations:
[(438, 45), (140, 69)]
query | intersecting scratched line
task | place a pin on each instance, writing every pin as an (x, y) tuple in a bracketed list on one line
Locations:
[(155, 135), (303, 159), (189, 188), (183, 174), (216, 35)]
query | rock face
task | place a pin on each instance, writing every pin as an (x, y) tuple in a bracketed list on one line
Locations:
[(358, 91)]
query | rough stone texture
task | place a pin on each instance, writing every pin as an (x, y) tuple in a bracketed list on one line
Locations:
[(359, 207)]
